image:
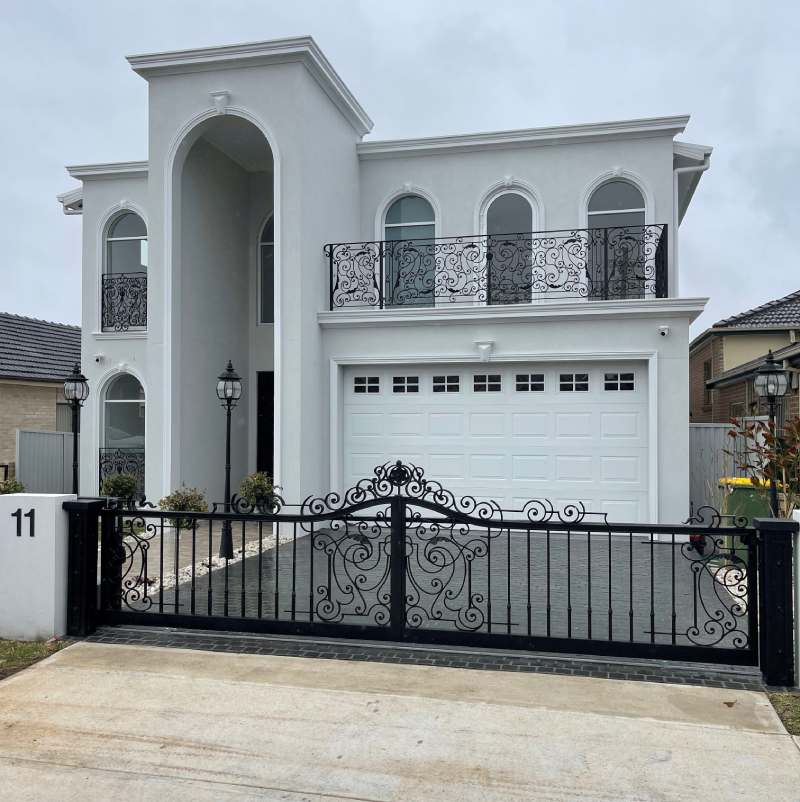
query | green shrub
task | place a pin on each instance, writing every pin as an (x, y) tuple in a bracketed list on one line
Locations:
[(11, 486), (258, 491), (119, 485), (184, 499)]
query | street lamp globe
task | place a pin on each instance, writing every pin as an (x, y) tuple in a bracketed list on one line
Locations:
[(229, 385), (76, 388), (771, 380)]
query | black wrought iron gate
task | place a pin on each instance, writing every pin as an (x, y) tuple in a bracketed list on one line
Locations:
[(399, 557)]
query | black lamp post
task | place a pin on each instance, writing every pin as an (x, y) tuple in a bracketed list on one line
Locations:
[(771, 382), (229, 391), (76, 391)]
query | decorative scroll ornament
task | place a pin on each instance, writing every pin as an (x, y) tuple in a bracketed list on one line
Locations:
[(124, 301), (606, 263)]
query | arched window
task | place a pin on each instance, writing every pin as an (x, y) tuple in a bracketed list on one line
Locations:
[(509, 226), (122, 448), (410, 260), (124, 304), (266, 256), (126, 245), (619, 264)]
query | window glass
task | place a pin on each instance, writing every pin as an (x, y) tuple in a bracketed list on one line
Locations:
[(127, 225), (267, 259), (405, 384), (366, 384), (509, 214), (125, 388), (573, 382), (615, 195), (619, 381), (509, 258), (410, 266), (487, 383), (409, 209), (126, 245), (445, 384), (530, 382), (124, 413)]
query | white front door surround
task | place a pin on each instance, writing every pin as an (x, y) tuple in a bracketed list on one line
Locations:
[(596, 445)]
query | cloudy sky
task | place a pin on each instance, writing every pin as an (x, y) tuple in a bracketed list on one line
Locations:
[(427, 68)]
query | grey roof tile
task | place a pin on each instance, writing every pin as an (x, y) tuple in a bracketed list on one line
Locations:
[(780, 312), (37, 349)]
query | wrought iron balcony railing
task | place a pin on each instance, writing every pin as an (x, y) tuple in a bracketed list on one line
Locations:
[(122, 460), (592, 264), (124, 301)]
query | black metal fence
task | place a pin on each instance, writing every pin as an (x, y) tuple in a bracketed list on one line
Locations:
[(594, 263), (399, 557), (124, 301)]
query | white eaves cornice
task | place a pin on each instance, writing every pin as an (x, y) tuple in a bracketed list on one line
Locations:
[(527, 137), (110, 170), (71, 201), (690, 308), (302, 49), (691, 151)]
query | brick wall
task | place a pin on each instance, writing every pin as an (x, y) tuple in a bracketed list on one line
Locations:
[(701, 405), (24, 405)]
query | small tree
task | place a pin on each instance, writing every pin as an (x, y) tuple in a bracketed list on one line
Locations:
[(258, 491), (11, 486), (769, 452)]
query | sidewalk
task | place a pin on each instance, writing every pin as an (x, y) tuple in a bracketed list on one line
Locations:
[(99, 722)]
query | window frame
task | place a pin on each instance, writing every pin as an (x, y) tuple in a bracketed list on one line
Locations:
[(112, 221), (618, 383), (532, 380), (448, 383), (567, 379), (364, 384), (141, 402), (487, 382), (260, 271)]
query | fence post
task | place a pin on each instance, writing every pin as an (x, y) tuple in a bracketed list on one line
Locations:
[(397, 567), (82, 565), (775, 599)]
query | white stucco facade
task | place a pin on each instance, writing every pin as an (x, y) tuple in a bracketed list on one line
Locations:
[(244, 133)]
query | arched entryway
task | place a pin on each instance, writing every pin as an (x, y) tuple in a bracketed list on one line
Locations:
[(222, 195)]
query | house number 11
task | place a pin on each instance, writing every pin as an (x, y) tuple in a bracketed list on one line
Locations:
[(30, 515)]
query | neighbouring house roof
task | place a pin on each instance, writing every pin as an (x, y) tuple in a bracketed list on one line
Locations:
[(37, 350), (781, 313), (778, 315)]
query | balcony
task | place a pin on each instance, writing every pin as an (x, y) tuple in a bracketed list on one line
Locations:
[(582, 264), (124, 301)]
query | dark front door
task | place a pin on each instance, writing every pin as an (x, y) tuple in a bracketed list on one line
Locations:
[(265, 412)]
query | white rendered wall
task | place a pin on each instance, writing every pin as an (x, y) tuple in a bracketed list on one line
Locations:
[(212, 295), (137, 353), (532, 339), (33, 570), (558, 175)]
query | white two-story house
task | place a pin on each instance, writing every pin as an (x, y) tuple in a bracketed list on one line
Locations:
[(501, 308)]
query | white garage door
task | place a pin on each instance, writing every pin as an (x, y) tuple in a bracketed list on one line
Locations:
[(566, 432)]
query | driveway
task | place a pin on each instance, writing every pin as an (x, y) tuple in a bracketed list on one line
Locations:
[(100, 722)]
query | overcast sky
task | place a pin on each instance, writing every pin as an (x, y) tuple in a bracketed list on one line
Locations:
[(427, 68)]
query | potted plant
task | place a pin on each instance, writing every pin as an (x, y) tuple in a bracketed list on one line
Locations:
[(120, 485), (258, 492), (184, 499)]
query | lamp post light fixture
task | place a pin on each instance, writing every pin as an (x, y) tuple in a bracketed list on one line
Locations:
[(229, 391), (771, 382), (76, 391)]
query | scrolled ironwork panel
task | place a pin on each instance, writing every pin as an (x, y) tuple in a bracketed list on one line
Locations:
[(122, 460), (124, 301), (596, 263)]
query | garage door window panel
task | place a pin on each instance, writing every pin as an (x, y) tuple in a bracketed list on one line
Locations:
[(487, 383), (619, 382), (573, 382), (366, 384), (405, 384), (530, 382), (446, 384)]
